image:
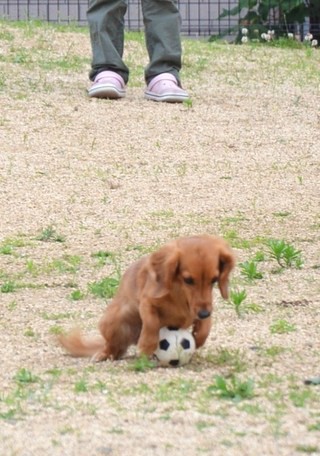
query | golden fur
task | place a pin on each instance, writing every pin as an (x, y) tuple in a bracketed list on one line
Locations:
[(170, 287)]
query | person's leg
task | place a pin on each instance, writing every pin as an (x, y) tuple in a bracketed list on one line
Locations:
[(106, 23), (162, 31)]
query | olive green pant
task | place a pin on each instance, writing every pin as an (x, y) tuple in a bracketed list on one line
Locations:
[(162, 33)]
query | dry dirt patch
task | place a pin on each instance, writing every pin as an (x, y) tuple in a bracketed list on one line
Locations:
[(241, 161)]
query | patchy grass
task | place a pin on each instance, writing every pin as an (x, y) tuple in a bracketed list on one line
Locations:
[(89, 186)]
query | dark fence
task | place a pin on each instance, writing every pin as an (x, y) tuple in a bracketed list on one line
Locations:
[(199, 17)]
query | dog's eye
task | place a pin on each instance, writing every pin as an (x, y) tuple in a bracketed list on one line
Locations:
[(188, 280)]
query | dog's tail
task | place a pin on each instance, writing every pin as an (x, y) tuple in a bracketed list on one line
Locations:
[(81, 347)]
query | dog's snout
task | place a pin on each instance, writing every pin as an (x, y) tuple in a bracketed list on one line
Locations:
[(202, 314)]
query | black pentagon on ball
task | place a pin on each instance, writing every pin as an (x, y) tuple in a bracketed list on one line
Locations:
[(174, 362), (185, 343), (164, 344)]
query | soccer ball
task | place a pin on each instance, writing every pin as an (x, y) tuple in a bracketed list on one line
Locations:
[(176, 347)]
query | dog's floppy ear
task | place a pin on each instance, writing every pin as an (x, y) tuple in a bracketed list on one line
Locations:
[(226, 264), (162, 268)]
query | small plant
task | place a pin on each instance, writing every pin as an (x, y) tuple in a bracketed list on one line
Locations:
[(233, 389), (285, 254), (233, 359), (8, 287), (274, 351), (67, 264), (77, 295), (12, 305), (55, 316), (282, 327), (236, 298), (259, 257), (32, 267), (188, 103), (299, 398), (314, 426), (249, 269), (29, 332), (105, 288), (6, 249), (25, 376), (309, 449), (49, 234), (142, 364), (254, 307), (103, 257), (81, 386), (56, 330)]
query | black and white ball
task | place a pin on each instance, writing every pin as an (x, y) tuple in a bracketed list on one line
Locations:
[(176, 347)]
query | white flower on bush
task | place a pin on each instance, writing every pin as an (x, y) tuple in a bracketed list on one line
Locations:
[(290, 36), (266, 36), (244, 31), (244, 39), (308, 37), (314, 43), (271, 33)]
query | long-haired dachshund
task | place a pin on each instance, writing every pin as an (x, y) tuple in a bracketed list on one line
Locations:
[(170, 287)]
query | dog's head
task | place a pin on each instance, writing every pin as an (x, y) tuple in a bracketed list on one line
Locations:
[(190, 267)]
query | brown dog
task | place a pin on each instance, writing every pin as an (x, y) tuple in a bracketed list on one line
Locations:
[(171, 287)]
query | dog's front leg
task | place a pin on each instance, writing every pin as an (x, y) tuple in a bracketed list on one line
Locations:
[(149, 337), (201, 330)]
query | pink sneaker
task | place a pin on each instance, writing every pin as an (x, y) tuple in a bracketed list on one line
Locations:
[(107, 84), (164, 87)]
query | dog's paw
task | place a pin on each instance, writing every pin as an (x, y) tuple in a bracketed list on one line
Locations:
[(101, 356)]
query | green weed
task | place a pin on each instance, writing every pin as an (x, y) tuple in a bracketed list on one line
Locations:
[(237, 297), (8, 287), (254, 307), (81, 386), (142, 364), (282, 327), (105, 288), (56, 316), (24, 376), (281, 214), (232, 388), (50, 234), (177, 390), (234, 359), (285, 254), (29, 332), (259, 257), (314, 426), (6, 249), (77, 295), (56, 330), (307, 449), (188, 103), (12, 305), (66, 264), (274, 351), (249, 269), (32, 268), (299, 398), (104, 257)]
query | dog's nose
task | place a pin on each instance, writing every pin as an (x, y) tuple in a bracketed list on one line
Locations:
[(202, 314)]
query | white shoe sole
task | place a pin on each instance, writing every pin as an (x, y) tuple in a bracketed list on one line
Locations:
[(106, 91), (167, 97)]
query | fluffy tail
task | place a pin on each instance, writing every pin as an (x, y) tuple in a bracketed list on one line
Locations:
[(81, 347)]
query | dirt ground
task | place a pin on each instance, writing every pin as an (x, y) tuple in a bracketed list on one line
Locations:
[(240, 161)]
